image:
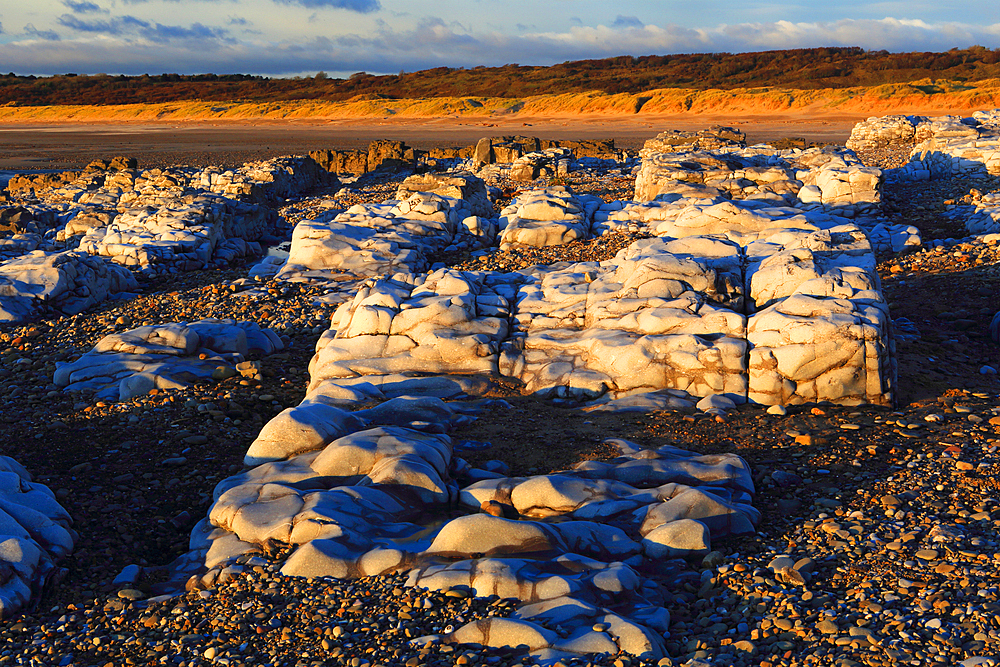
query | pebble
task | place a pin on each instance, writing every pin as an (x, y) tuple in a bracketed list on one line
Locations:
[(896, 557)]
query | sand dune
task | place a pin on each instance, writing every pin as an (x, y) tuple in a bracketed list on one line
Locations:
[(918, 97)]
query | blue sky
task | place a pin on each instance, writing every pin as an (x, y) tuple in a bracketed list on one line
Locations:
[(301, 37)]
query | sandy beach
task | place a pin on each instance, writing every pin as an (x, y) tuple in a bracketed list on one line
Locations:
[(64, 146)]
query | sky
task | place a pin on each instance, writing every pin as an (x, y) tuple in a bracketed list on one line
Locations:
[(340, 37)]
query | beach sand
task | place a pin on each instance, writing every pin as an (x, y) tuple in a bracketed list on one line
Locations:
[(73, 145)]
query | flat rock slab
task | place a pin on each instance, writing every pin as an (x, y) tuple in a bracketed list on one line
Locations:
[(68, 282), (166, 356)]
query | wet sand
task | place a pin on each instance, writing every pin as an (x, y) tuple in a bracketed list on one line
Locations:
[(65, 146)]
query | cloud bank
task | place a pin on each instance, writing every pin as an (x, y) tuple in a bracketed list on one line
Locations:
[(360, 6), (130, 45), (84, 7), (147, 31)]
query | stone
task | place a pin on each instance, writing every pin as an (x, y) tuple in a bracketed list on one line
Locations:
[(69, 282), (686, 538), (544, 217), (456, 185), (346, 510), (807, 349), (306, 427), (35, 533), (168, 356)]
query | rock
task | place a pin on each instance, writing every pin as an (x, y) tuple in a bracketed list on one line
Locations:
[(169, 356), (845, 359), (944, 146), (456, 185), (715, 403), (341, 161), (128, 575), (686, 538), (180, 234), (391, 155), (69, 282), (36, 534), (346, 509), (550, 216), (501, 632)]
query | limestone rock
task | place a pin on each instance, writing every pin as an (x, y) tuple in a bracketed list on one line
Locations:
[(185, 235), (457, 185), (807, 348), (35, 533), (550, 216), (166, 356), (677, 539), (68, 282)]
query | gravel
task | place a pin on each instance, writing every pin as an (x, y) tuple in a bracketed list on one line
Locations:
[(878, 542)]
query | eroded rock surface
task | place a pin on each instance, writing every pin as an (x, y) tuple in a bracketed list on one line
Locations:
[(164, 356), (378, 239), (66, 282), (35, 533), (159, 220), (682, 314), (549, 216), (943, 146), (354, 504)]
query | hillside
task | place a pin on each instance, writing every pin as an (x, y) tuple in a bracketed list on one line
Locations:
[(923, 97), (800, 69)]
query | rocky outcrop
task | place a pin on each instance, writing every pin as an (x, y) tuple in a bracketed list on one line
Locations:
[(377, 239), (160, 220), (511, 148), (165, 356), (180, 234), (985, 218), (381, 154), (835, 180), (347, 491), (713, 138), (547, 216), (458, 185), (67, 283), (92, 176), (683, 314), (35, 533), (943, 146)]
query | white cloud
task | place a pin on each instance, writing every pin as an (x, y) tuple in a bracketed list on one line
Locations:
[(138, 47)]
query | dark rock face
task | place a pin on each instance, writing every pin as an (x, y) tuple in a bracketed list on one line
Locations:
[(381, 153), (504, 149), (339, 162), (713, 138), (396, 155)]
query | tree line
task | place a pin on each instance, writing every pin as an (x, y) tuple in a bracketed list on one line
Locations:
[(833, 67)]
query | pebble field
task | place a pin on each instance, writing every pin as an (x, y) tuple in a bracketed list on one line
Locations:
[(878, 543)]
